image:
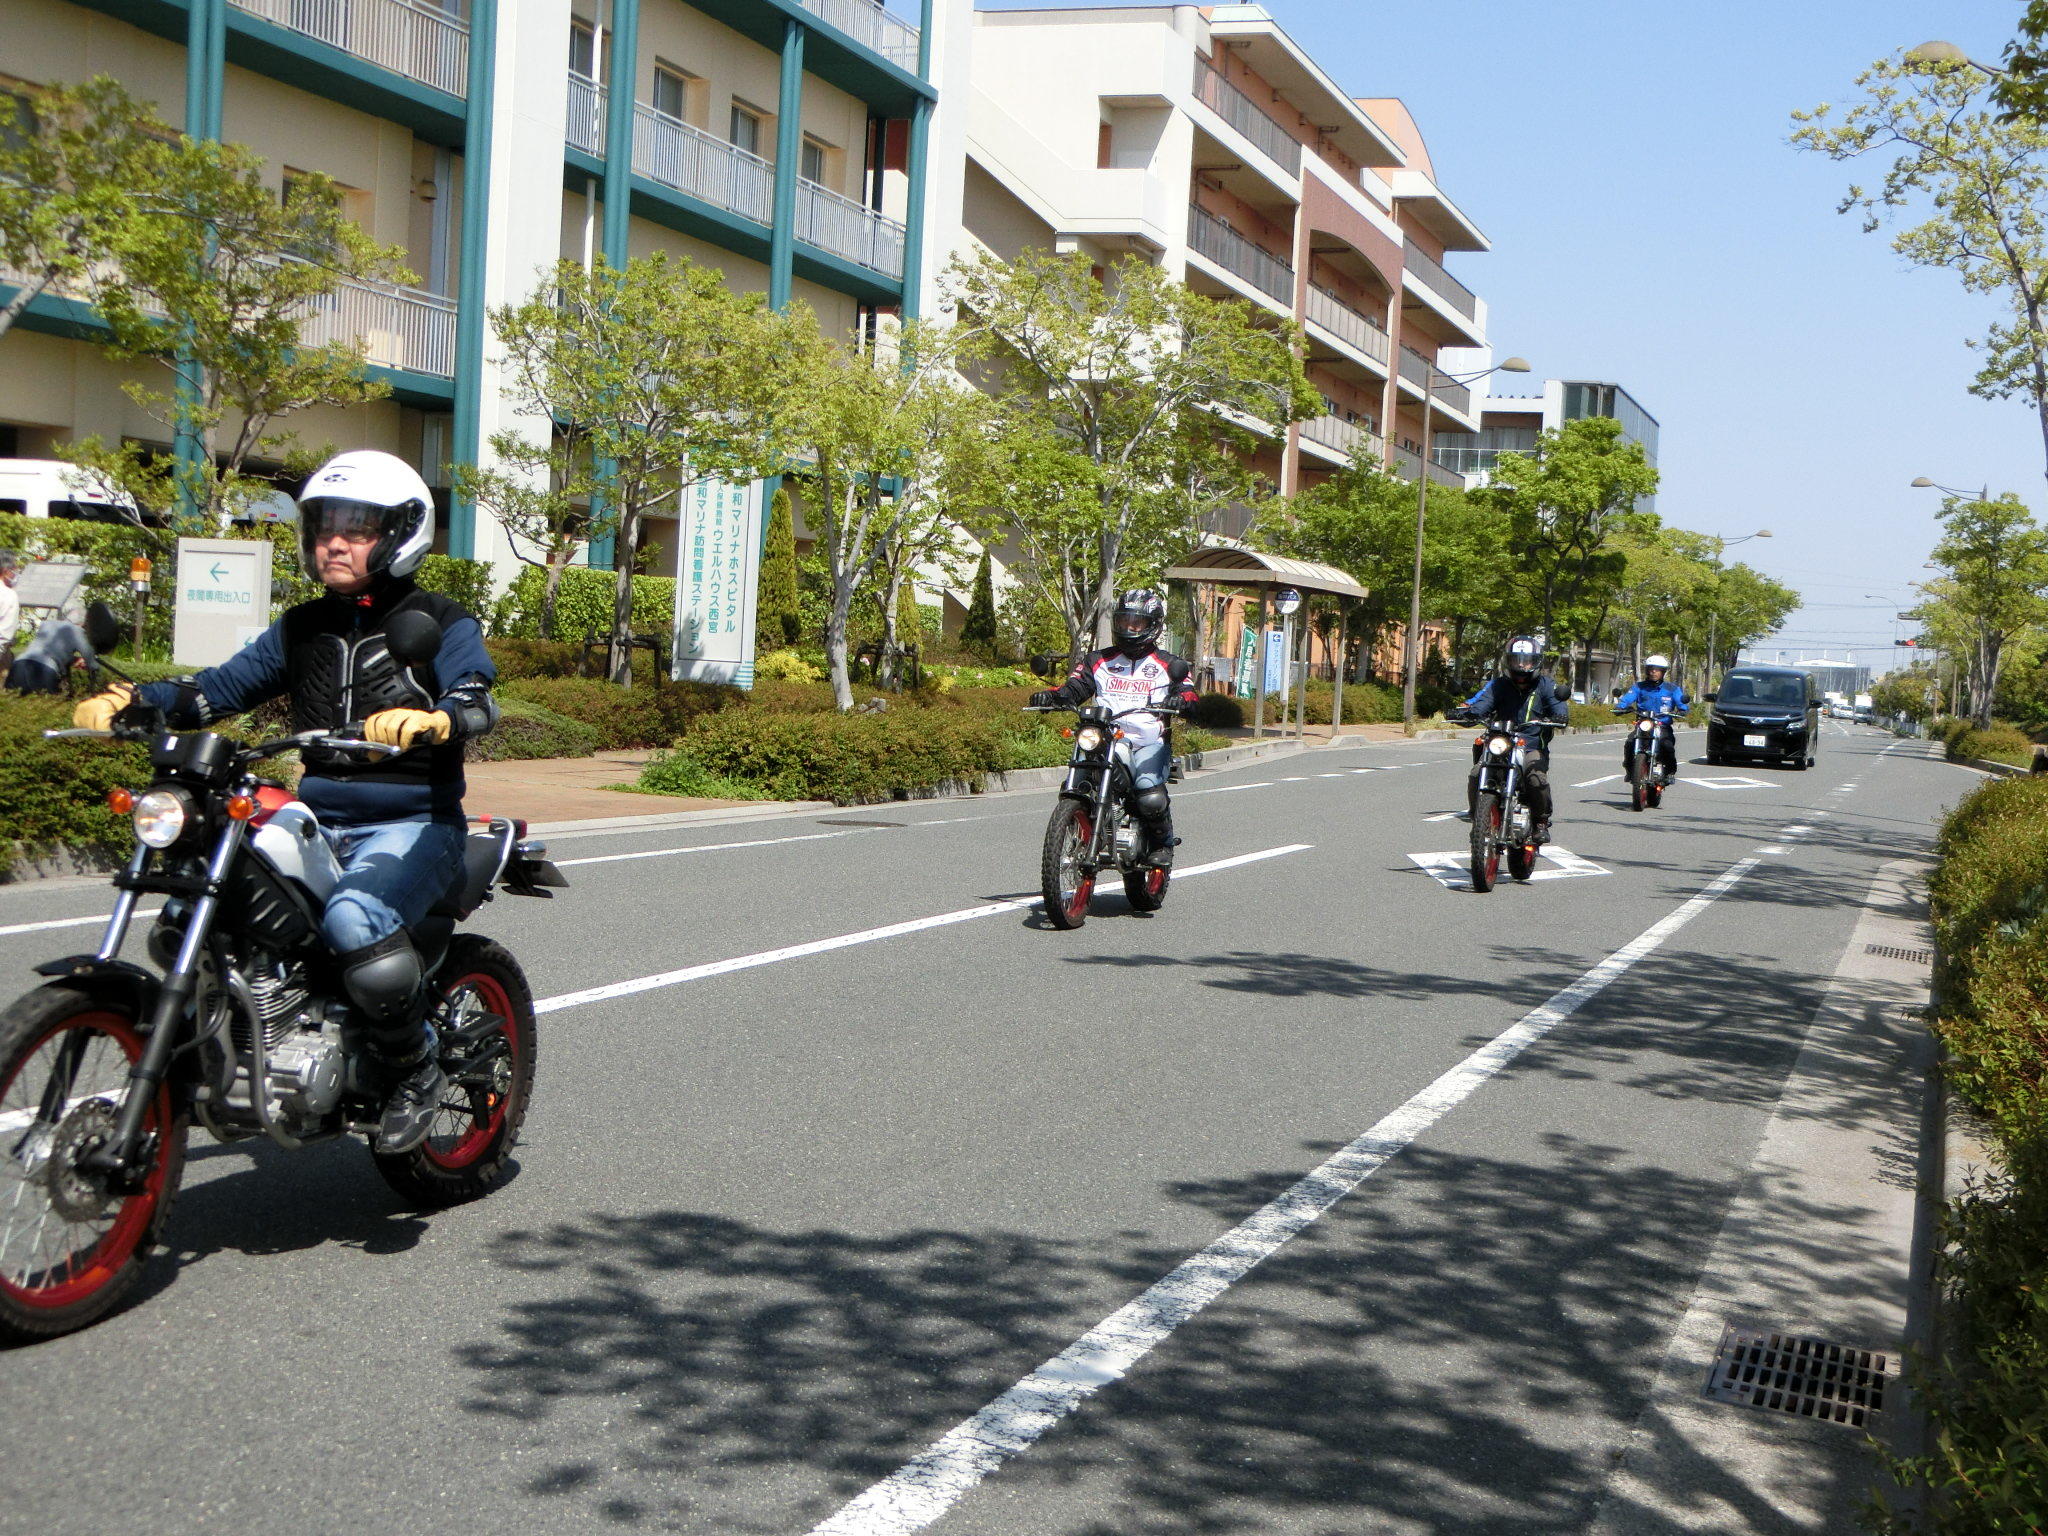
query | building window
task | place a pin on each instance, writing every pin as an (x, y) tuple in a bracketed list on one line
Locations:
[(672, 91), (583, 58), (1105, 144), (746, 128), (813, 164)]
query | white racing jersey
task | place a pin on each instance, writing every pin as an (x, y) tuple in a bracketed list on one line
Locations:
[(1119, 683)]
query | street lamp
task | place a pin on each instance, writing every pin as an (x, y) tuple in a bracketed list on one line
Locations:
[(1411, 642), (1939, 52)]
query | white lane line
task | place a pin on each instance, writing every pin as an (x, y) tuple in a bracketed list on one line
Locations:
[(1330, 775), (1293, 778), (1229, 789), (1605, 779), (71, 922), (1448, 816), (666, 853), (848, 940), (936, 1479)]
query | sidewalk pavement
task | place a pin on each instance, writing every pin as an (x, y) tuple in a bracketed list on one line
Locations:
[(562, 789)]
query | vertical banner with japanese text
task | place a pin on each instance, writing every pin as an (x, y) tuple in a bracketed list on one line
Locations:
[(717, 554)]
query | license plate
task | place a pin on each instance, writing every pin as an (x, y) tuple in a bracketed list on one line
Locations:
[(1754, 741)]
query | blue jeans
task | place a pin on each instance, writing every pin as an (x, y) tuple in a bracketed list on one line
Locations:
[(1149, 765), (391, 873)]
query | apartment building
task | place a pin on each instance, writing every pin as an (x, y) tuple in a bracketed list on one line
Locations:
[(1512, 423), (1205, 139), (787, 142)]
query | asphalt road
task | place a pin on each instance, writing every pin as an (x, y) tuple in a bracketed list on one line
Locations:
[(777, 1229)]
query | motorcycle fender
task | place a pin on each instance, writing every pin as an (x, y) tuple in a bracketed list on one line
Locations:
[(134, 985)]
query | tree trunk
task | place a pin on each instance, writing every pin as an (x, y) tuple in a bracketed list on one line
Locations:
[(551, 590), (892, 641), (622, 599), (1105, 592), (835, 642), (24, 296)]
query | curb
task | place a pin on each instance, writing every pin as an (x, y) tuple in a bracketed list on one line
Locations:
[(1996, 769)]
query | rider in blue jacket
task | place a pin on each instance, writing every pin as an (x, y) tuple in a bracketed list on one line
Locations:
[(1660, 698), (1523, 695)]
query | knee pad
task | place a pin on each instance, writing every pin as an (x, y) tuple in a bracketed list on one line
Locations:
[(1152, 803), (383, 979)]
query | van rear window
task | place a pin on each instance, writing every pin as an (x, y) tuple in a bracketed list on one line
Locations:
[(13, 504), (87, 512)]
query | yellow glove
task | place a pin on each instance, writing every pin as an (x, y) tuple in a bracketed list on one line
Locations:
[(97, 713), (403, 727)]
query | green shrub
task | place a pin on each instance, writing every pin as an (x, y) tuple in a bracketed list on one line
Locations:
[(2000, 742), (467, 581), (583, 604), (55, 792), (1222, 711), (645, 715), (785, 666), (1987, 1471), (1364, 703), (680, 773), (527, 730), (1589, 717), (517, 658), (947, 678), (848, 758)]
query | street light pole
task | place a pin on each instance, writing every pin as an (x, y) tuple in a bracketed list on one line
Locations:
[(1411, 640)]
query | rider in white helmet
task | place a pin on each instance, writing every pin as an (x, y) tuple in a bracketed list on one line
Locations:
[(1667, 701), (366, 520)]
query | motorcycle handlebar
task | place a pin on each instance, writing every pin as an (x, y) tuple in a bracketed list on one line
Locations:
[(262, 749)]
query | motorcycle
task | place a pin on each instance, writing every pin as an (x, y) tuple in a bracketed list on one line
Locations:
[(1501, 824), (1646, 778), (248, 1031), (1092, 827)]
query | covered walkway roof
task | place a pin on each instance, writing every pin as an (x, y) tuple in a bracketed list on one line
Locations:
[(1226, 563)]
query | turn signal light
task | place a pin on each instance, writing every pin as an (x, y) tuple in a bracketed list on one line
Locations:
[(1118, 733), (120, 801), (240, 807), (1067, 732)]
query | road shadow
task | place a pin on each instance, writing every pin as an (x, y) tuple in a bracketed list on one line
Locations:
[(1457, 1346)]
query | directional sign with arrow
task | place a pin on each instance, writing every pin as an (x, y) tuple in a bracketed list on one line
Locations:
[(223, 598)]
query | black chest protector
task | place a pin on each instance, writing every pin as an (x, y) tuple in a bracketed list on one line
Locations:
[(341, 672)]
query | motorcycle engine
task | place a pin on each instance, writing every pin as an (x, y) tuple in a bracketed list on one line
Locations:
[(306, 1066), (1126, 841)]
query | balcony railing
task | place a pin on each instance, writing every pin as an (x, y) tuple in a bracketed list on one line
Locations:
[(872, 27), (1345, 437), (411, 38), (1247, 117), (1416, 370), (586, 115), (693, 161), (1408, 464), (1441, 283), (1211, 237), (1348, 325), (846, 228), (405, 328)]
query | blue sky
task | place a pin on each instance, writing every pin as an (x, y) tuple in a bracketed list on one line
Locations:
[(1651, 225)]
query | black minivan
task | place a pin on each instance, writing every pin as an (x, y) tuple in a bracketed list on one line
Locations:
[(1764, 712)]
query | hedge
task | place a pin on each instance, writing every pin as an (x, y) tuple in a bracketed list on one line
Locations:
[(2000, 742), (56, 791), (535, 658), (646, 715), (529, 730), (467, 581), (583, 604), (1988, 1469)]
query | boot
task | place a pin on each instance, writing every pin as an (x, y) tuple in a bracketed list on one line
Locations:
[(410, 1107), (1160, 843)]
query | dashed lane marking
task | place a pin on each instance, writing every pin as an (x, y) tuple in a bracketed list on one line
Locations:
[(666, 853), (1453, 871), (688, 973), (1607, 778), (72, 922)]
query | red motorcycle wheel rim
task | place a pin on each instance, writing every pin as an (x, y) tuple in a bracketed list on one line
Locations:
[(106, 1257), (1155, 882), (1084, 892), (1493, 847), (490, 995)]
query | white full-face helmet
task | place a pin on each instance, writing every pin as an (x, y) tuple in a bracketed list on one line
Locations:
[(369, 489), (1657, 664)]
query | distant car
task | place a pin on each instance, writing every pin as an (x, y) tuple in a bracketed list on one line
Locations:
[(1764, 714), (54, 488)]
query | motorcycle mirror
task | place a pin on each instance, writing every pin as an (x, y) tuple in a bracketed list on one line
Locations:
[(102, 629), (1712, 696), (412, 638)]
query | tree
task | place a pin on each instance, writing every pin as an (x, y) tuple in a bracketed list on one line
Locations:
[(654, 377), (81, 166), (894, 439), (2023, 93), (1983, 181), (1106, 385), (777, 616), (221, 296), (1565, 502), (978, 633), (1914, 693), (1993, 588)]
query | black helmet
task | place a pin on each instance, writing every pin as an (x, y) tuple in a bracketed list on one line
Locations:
[(1523, 656), (1140, 620)]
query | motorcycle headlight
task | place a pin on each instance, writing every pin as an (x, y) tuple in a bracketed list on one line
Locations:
[(1645, 725), (1088, 738), (1498, 745), (160, 817)]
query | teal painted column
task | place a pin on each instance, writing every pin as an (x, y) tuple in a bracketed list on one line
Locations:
[(924, 40), (618, 193), (205, 66), (916, 172), (466, 438), (618, 131), (789, 144)]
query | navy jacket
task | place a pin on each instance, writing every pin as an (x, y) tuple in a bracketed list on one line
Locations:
[(327, 655), (1505, 698)]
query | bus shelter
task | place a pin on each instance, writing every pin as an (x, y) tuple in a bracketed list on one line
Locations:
[(1238, 567)]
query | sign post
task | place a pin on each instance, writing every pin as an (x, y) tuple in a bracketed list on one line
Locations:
[(1285, 602), (718, 550), (223, 598)]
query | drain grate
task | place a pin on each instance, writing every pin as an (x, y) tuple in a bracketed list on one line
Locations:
[(1835, 1383), (1893, 952)]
